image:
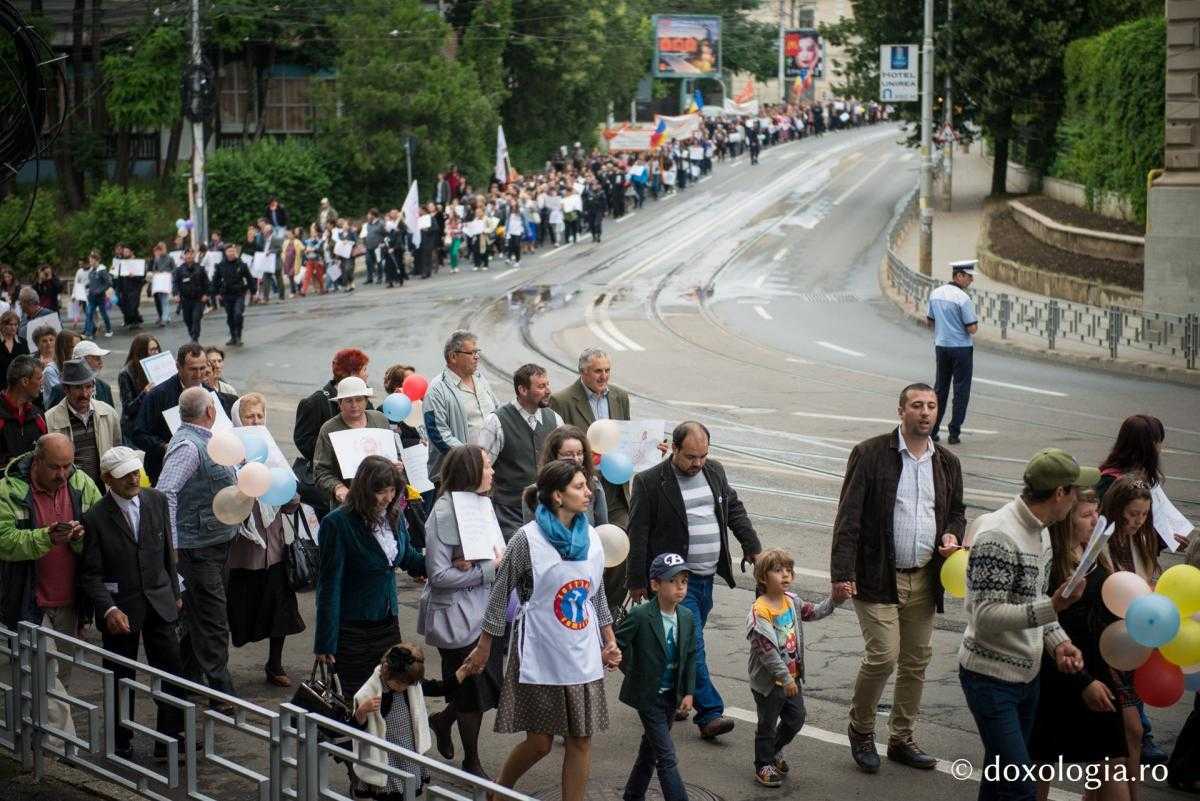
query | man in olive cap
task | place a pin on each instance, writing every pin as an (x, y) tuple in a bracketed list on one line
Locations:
[(1011, 615)]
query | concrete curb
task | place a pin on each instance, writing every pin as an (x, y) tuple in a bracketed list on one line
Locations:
[(66, 782), (992, 341)]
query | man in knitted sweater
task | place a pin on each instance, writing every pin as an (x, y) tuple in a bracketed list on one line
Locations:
[(1010, 618)]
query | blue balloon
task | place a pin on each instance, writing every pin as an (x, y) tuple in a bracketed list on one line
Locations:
[(1152, 620), (283, 487), (616, 467), (256, 446), (397, 407), (1191, 682)]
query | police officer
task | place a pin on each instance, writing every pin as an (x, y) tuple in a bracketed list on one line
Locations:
[(952, 316)]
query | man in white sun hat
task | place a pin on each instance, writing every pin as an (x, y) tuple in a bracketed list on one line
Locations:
[(351, 399)]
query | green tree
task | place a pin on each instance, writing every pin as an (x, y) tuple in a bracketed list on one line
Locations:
[(395, 79), (37, 237), (115, 214), (240, 180), (143, 91), (483, 44)]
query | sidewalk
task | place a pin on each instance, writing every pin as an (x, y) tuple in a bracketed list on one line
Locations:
[(956, 237), (61, 783)]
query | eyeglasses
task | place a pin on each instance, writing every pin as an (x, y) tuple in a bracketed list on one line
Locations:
[(476, 353)]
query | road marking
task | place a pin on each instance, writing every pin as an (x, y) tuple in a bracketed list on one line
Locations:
[(762, 279), (780, 254), (700, 405), (624, 218), (1021, 387), (794, 360), (589, 316), (848, 418), (498, 276), (855, 156), (611, 329), (858, 184), (560, 247), (763, 313), (840, 349), (834, 738)]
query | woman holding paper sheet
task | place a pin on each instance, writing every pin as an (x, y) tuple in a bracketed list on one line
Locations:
[(554, 681), (351, 399), (261, 605), (362, 544), (1080, 716), (162, 264), (453, 603)]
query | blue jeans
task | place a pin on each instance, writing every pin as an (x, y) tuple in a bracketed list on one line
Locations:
[(1004, 714), (706, 699), (953, 365), (95, 302), (657, 752)]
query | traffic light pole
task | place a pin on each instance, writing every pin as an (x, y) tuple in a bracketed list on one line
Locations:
[(926, 207), (200, 196)]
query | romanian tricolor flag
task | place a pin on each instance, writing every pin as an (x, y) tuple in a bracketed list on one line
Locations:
[(660, 133)]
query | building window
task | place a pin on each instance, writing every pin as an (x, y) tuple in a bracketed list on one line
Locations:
[(289, 105), (234, 93)]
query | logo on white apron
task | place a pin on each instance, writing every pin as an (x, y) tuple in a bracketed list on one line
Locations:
[(570, 604)]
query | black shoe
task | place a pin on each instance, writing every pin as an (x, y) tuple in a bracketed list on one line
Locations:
[(862, 748), (716, 727), (907, 753), (232, 341), (954, 439), (441, 735)]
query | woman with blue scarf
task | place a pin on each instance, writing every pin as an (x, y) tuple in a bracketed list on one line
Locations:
[(554, 680)]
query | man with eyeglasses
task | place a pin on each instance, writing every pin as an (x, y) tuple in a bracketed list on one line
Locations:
[(459, 399)]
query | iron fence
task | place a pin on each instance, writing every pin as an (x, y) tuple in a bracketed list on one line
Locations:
[(1112, 331), (285, 754)]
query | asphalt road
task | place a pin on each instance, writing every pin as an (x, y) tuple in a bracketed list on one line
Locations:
[(749, 302)]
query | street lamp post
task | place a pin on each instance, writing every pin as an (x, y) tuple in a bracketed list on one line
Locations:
[(926, 220)]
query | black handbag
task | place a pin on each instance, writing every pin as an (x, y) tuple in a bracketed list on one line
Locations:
[(302, 558), (321, 694)]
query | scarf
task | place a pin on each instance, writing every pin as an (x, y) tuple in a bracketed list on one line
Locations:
[(571, 544)]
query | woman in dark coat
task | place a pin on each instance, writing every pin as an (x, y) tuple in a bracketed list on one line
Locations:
[(362, 543)]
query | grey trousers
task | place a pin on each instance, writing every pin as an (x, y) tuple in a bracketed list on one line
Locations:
[(204, 622)]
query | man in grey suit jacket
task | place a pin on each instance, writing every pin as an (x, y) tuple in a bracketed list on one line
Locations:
[(128, 572)]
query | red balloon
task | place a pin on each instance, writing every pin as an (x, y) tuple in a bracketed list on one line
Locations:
[(596, 459), (1158, 682), (414, 386)]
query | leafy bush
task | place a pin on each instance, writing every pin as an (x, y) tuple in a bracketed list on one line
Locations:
[(242, 180), (39, 238), (133, 216), (1112, 133)]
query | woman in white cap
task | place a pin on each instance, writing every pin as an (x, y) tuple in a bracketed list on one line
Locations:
[(351, 399), (261, 604)]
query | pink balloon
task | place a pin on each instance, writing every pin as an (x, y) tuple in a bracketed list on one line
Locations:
[(1120, 650), (254, 479), (1120, 589)]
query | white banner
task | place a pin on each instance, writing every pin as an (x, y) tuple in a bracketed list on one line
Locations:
[(681, 127), (412, 214), (631, 139), (747, 109)]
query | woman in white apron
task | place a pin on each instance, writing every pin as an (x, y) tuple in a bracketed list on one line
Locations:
[(554, 680)]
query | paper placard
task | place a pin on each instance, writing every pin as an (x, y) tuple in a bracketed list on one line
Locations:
[(212, 258), (334, 271), (247, 259), (1100, 536), (161, 282), (1167, 519), (478, 530), (129, 268), (159, 367), (343, 248), (473, 228), (222, 424), (639, 441), (416, 467), (176, 256), (262, 264), (37, 323), (355, 444)]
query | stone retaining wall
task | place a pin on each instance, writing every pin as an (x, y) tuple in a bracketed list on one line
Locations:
[(1084, 241)]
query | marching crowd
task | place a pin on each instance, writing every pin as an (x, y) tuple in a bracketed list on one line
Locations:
[(459, 225), (124, 521)]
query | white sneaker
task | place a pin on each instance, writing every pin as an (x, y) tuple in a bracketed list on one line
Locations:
[(108, 333)]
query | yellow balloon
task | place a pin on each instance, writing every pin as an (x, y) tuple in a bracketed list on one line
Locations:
[(144, 481), (954, 574), (1184, 650), (1181, 584)]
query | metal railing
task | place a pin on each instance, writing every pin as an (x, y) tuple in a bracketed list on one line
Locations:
[(1112, 331), (249, 753)]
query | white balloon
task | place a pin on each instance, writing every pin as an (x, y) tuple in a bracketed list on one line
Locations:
[(604, 436), (254, 479), (226, 449), (416, 418), (232, 507), (615, 544)]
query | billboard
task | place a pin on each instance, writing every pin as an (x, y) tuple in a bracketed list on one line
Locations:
[(803, 56), (687, 46), (898, 81)]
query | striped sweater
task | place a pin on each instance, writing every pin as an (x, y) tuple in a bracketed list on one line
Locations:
[(1009, 614)]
